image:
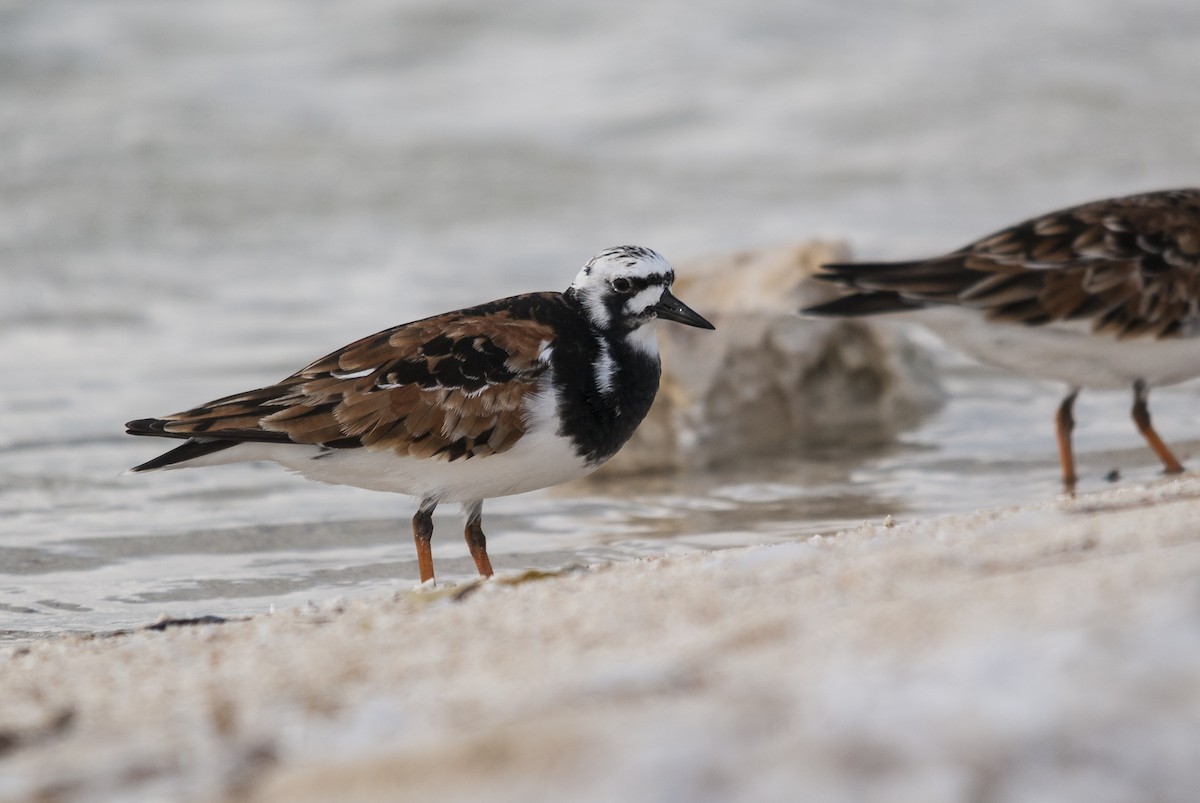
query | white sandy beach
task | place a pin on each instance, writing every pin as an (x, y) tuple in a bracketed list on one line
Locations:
[(1047, 652)]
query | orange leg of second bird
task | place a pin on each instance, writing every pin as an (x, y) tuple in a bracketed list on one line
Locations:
[(422, 534), (1141, 417), (1065, 422), (476, 542)]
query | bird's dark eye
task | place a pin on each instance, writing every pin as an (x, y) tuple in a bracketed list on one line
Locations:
[(621, 285)]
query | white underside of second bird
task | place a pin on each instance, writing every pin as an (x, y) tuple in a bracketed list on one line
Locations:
[(1064, 352)]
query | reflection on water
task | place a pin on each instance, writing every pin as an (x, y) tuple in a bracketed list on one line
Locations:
[(199, 198)]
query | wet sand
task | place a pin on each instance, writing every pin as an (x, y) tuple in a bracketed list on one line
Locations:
[(1049, 651)]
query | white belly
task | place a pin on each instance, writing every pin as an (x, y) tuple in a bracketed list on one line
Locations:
[(1066, 352), (538, 460)]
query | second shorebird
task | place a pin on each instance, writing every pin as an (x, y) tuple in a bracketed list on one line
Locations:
[(519, 394), (1102, 295)]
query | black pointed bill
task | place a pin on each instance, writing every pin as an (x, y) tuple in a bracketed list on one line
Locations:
[(670, 308)]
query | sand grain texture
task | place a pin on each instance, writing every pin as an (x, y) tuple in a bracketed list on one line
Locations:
[(1050, 652)]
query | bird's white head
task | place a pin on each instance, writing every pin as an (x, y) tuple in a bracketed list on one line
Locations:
[(622, 289)]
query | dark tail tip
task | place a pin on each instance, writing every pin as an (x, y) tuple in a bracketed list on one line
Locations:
[(859, 304), (188, 450), (145, 426)]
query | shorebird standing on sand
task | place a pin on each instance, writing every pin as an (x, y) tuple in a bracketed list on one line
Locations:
[(1102, 295), (518, 394)]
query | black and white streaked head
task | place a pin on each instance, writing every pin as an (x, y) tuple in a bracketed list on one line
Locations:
[(622, 289)]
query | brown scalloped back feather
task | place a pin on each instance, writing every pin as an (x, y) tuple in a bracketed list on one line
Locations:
[(448, 387), (1130, 265)]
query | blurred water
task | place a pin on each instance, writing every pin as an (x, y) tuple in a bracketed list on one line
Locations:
[(199, 198)]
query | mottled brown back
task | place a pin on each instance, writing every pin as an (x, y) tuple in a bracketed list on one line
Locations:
[(1131, 265), (452, 386)]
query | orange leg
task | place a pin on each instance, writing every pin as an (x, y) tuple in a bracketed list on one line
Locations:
[(476, 542), (1065, 423), (1141, 417), (422, 524)]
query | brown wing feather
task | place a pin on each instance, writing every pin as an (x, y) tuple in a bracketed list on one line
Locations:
[(445, 387), (1131, 265)]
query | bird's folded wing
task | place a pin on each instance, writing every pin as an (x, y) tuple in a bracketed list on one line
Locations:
[(1131, 266), (449, 387)]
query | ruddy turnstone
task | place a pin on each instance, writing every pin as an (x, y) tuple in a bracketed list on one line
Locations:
[(1102, 295), (507, 397)]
